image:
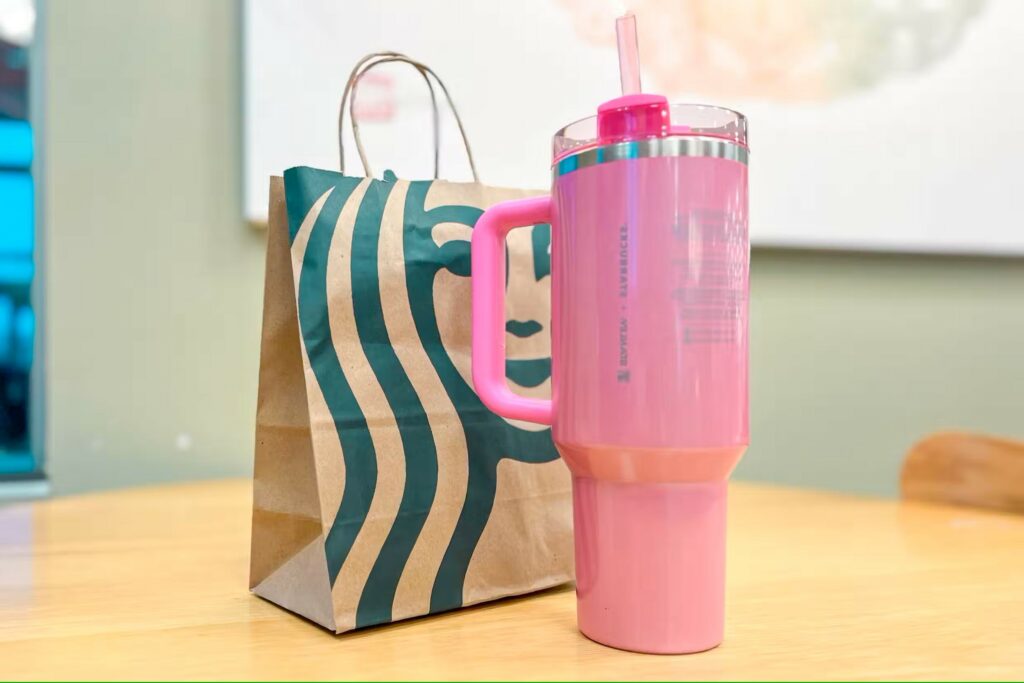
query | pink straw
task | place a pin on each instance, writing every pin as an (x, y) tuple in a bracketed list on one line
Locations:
[(629, 53)]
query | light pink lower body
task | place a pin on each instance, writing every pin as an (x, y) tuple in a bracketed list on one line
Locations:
[(670, 601)]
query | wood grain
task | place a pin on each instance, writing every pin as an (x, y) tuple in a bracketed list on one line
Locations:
[(966, 469), (151, 583)]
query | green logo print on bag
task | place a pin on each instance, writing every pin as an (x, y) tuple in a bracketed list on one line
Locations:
[(488, 438)]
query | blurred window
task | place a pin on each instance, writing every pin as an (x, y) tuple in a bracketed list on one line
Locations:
[(17, 242)]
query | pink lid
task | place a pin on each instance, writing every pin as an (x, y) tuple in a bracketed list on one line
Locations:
[(650, 563), (637, 117), (633, 117)]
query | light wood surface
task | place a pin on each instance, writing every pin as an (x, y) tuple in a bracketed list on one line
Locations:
[(151, 583), (966, 469)]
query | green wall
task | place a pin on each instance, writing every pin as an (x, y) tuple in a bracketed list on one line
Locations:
[(856, 356), (153, 280), (154, 287)]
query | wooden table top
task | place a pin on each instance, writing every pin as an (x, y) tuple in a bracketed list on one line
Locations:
[(151, 583)]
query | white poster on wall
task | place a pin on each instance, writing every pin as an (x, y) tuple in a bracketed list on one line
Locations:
[(874, 124)]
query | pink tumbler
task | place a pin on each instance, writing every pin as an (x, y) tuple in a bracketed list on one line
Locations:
[(650, 263)]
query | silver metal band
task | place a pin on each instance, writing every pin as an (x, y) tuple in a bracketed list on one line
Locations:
[(678, 146)]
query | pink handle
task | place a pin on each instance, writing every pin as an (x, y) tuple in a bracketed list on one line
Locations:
[(488, 269)]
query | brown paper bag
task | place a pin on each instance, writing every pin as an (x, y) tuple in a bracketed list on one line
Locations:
[(383, 488)]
